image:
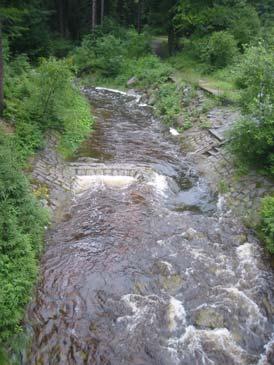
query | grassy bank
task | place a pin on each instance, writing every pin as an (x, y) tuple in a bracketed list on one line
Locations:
[(219, 83)]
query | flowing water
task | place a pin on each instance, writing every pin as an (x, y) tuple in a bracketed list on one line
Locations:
[(147, 268)]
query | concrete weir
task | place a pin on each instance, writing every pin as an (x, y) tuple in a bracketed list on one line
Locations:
[(113, 175)]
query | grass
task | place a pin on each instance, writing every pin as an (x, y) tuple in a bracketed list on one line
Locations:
[(191, 71)]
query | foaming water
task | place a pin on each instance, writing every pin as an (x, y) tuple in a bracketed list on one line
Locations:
[(148, 268), (84, 183)]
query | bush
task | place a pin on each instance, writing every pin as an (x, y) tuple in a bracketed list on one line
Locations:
[(252, 139), (149, 71), (245, 25), (137, 45), (253, 144), (22, 222), (45, 98), (267, 222), (220, 50), (168, 103), (255, 76), (107, 53)]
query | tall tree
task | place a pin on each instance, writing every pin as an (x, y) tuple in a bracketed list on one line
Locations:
[(9, 16), (139, 16), (60, 11), (1, 71), (94, 11), (102, 11)]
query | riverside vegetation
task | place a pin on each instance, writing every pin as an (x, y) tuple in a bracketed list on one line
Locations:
[(229, 44), (38, 100)]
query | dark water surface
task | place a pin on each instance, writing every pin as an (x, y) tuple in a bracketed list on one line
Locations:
[(148, 270)]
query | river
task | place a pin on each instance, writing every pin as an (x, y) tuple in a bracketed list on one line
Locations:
[(147, 267)]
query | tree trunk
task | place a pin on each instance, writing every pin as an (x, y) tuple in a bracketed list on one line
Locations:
[(61, 17), (171, 40), (1, 72), (102, 11), (94, 10), (139, 20)]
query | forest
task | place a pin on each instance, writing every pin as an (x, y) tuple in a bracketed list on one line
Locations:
[(50, 48)]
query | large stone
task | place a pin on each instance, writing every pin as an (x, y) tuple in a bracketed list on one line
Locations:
[(152, 99), (190, 234), (209, 318)]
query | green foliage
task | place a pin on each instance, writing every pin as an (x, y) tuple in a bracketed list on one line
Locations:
[(252, 139), (253, 144), (115, 58), (22, 222), (255, 77), (245, 24), (77, 124), (149, 71), (204, 17), (223, 187), (25, 23), (168, 102), (220, 50), (108, 53), (267, 222), (45, 98)]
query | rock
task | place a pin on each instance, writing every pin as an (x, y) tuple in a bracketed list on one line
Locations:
[(163, 268), (152, 100), (44, 203), (208, 317), (132, 81), (190, 234), (180, 120), (171, 283)]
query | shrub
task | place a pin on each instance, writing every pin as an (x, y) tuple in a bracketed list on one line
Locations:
[(267, 222), (252, 139), (221, 49), (149, 71), (253, 144), (255, 76), (83, 57), (137, 45), (245, 24), (45, 98), (107, 53), (168, 102), (22, 222)]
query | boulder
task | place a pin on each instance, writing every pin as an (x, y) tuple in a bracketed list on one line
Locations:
[(209, 318)]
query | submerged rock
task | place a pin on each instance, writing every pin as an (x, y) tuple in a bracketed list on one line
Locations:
[(190, 234), (209, 318)]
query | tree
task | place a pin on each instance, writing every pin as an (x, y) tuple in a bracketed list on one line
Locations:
[(102, 11), (161, 14), (139, 16), (60, 10), (7, 15), (1, 72), (94, 10)]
